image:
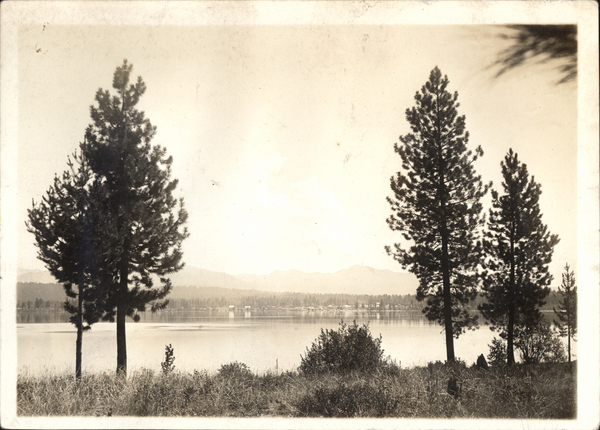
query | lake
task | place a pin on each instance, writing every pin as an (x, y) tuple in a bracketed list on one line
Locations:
[(205, 340)]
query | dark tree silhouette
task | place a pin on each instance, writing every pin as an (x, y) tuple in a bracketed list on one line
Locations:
[(144, 224), (543, 43), (437, 207), (567, 308), (518, 248), (65, 226)]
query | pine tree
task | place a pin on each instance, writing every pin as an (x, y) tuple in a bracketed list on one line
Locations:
[(518, 250), (64, 224), (144, 224), (567, 308), (437, 207)]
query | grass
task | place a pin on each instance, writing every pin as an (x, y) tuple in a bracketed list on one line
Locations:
[(544, 390)]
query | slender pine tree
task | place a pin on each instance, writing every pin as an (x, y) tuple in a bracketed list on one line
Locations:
[(567, 308), (437, 207), (518, 249), (144, 223), (64, 224)]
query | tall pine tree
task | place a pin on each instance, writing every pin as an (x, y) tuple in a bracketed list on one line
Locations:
[(65, 225), (144, 222), (437, 207), (567, 308), (518, 250)]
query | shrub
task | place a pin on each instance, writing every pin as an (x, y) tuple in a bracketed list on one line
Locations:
[(235, 370), (345, 400), (167, 365), (349, 349), (497, 355), (539, 343), (535, 345)]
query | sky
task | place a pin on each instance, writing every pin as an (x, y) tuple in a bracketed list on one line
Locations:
[(282, 136)]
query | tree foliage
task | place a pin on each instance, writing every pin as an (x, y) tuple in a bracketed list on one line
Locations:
[(567, 308), (349, 349), (518, 249), (545, 43), (144, 224), (436, 206)]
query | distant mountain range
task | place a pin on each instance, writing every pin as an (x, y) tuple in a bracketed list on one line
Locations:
[(355, 280), (40, 276)]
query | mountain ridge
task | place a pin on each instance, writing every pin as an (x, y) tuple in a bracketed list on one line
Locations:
[(357, 279)]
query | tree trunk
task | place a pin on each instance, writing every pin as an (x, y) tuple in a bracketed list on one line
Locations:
[(510, 351), (569, 338), (444, 233), (121, 314), (121, 341), (79, 341), (445, 264), (447, 301)]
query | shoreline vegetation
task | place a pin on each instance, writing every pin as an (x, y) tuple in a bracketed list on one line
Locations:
[(520, 391)]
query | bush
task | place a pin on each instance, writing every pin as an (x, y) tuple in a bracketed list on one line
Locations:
[(535, 344), (235, 370), (343, 400), (167, 365), (497, 355), (349, 349), (539, 344)]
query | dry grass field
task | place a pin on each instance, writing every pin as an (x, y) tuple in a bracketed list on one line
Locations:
[(546, 390)]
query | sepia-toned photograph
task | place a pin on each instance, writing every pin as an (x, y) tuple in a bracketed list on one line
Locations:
[(299, 215)]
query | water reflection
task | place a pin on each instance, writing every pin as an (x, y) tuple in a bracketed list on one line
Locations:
[(41, 316), (312, 316)]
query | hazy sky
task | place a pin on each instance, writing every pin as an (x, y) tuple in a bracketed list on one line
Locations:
[(282, 136)]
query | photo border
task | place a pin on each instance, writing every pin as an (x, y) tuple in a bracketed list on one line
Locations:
[(582, 13)]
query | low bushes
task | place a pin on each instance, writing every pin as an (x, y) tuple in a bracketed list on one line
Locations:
[(357, 398)]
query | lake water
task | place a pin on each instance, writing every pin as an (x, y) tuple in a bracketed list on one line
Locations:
[(207, 340)]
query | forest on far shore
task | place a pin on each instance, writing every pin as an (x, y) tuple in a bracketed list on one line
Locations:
[(32, 295)]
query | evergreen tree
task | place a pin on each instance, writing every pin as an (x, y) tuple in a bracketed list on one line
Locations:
[(518, 250), (64, 225), (144, 224), (567, 308), (437, 207)]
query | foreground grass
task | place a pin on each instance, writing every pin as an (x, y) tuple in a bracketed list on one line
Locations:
[(521, 391)]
